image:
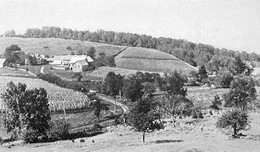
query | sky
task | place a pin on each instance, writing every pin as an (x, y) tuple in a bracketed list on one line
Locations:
[(231, 24)]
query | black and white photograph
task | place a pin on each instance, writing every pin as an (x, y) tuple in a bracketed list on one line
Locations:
[(129, 75)]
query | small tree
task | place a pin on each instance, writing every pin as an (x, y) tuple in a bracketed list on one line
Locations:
[(216, 102), (144, 117), (236, 119), (202, 73), (242, 92)]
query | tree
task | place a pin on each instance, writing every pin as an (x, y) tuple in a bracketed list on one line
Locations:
[(77, 76), (224, 80), (10, 33), (174, 84), (236, 119), (98, 107), (91, 52), (202, 73), (132, 88), (26, 109), (241, 93), (112, 84), (144, 117), (13, 54), (237, 67)]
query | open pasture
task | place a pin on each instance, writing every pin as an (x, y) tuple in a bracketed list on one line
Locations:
[(55, 46), (204, 95)]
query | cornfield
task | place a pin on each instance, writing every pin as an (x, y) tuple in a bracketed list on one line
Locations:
[(59, 98)]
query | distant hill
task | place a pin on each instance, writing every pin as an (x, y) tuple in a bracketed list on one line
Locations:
[(143, 59), (55, 46)]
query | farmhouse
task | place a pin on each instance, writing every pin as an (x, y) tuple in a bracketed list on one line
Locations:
[(3, 63), (79, 66), (76, 63)]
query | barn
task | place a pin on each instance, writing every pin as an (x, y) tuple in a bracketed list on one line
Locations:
[(3, 63)]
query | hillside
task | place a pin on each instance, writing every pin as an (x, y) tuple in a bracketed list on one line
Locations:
[(143, 59), (56, 45)]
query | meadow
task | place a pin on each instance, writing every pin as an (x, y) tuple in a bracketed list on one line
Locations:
[(56, 46)]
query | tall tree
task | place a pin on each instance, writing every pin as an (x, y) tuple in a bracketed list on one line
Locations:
[(91, 52), (27, 109), (13, 53)]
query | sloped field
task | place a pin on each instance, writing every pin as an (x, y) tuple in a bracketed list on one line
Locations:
[(56, 46), (142, 59)]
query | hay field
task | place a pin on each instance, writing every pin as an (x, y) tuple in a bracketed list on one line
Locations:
[(57, 46), (103, 71)]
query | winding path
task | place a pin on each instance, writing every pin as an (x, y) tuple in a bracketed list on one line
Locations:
[(111, 100)]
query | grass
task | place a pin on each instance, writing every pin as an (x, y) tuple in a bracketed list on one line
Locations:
[(56, 46), (14, 73)]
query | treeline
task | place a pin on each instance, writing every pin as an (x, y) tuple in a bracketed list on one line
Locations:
[(214, 59)]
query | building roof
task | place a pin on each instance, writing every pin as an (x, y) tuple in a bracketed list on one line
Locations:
[(89, 59), (2, 61), (82, 62), (76, 58)]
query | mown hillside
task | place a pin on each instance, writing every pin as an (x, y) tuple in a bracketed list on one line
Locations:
[(55, 46), (143, 59)]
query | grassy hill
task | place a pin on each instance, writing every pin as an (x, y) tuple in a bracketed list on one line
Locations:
[(143, 59), (56, 45)]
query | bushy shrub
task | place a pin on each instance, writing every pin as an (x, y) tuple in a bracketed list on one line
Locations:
[(216, 102), (196, 113), (59, 130), (224, 80), (30, 136)]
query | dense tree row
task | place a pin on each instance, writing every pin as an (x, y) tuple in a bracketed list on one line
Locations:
[(196, 54)]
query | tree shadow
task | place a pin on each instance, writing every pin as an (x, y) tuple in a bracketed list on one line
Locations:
[(167, 141)]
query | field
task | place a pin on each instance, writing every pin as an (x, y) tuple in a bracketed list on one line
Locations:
[(145, 53), (14, 73), (103, 71), (142, 59), (56, 46), (204, 95), (59, 98)]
